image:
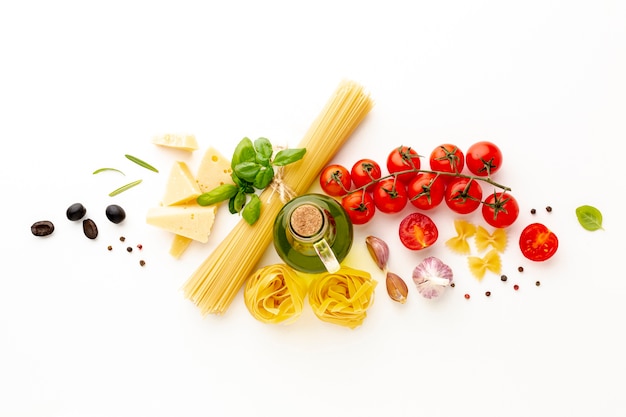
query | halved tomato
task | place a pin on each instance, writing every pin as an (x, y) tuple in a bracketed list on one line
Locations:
[(418, 231), (537, 242)]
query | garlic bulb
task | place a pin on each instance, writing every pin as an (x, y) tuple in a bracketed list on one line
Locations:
[(432, 277)]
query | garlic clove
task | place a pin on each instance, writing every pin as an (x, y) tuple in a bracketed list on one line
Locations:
[(379, 250), (396, 288)]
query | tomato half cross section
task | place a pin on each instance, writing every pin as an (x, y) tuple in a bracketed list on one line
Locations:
[(537, 242), (418, 231)]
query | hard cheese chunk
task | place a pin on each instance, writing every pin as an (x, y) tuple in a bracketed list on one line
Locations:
[(181, 186), (189, 220), (214, 170), (179, 245), (183, 142)]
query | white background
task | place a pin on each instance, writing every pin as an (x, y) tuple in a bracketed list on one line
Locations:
[(87, 332)]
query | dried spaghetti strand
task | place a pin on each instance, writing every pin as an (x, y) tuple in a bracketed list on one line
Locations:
[(275, 294), (216, 282), (343, 297)]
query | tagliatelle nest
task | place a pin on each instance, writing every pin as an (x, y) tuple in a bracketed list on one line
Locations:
[(275, 294), (343, 297)]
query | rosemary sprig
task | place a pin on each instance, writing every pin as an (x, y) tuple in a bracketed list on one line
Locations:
[(124, 188), (97, 171), (141, 163)]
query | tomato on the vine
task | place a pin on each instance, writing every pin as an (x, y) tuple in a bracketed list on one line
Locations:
[(537, 242), (483, 159), (335, 180), (365, 171), (418, 231), (360, 206), (500, 209), (390, 196), (403, 158), (447, 158), (426, 190), (463, 195)]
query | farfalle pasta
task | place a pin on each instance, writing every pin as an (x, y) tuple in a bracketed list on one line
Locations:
[(490, 262), (275, 294), (458, 243), (343, 297), (496, 240)]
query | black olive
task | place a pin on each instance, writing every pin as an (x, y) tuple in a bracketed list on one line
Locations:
[(42, 228), (115, 213), (76, 212), (90, 229)]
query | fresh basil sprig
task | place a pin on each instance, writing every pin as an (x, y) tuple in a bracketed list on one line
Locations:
[(253, 165)]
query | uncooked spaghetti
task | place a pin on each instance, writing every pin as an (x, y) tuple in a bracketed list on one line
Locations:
[(216, 282)]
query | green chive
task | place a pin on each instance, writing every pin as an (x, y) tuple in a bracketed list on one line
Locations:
[(124, 188), (97, 171), (141, 163)]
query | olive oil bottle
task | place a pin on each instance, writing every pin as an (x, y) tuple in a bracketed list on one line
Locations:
[(313, 233)]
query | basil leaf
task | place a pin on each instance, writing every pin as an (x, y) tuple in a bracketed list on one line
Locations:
[(264, 177), (264, 151), (239, 201), (589, 217), (231, 206), (247, 171), (288, 156), (220, 193), (244, 152), (252, 211)]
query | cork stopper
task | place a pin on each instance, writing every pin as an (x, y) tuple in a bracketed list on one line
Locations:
[(306, 220)]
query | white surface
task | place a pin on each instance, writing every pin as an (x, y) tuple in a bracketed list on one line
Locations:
[(86, 332)]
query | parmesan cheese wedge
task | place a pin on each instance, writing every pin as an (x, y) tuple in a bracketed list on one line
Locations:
[(181, 185), (183, 142), (191, 220), (214, 170)]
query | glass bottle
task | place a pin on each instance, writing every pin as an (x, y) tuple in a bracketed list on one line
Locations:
[(313, 233)]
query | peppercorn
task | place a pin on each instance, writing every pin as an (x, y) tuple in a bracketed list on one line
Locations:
[(548, 209), (503, 278), (488, 293), (109, 247), (516, 287), (452, 284), (467, 296), (122, 238), (533, 211), (129, 249), (520, 269), (142, 262), (537, 283)]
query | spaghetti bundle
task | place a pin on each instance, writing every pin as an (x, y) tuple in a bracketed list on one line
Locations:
[(343, 297), (216, 282), (274, 294)]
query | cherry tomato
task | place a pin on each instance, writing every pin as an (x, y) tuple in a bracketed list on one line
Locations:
[(335, 180), (500, 209), (463, 195), (360, 206), (418, 231), (426, 190), (537, 242), (447, 158), (365, 171), (483, 159), (403, 158), (390, 195)]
